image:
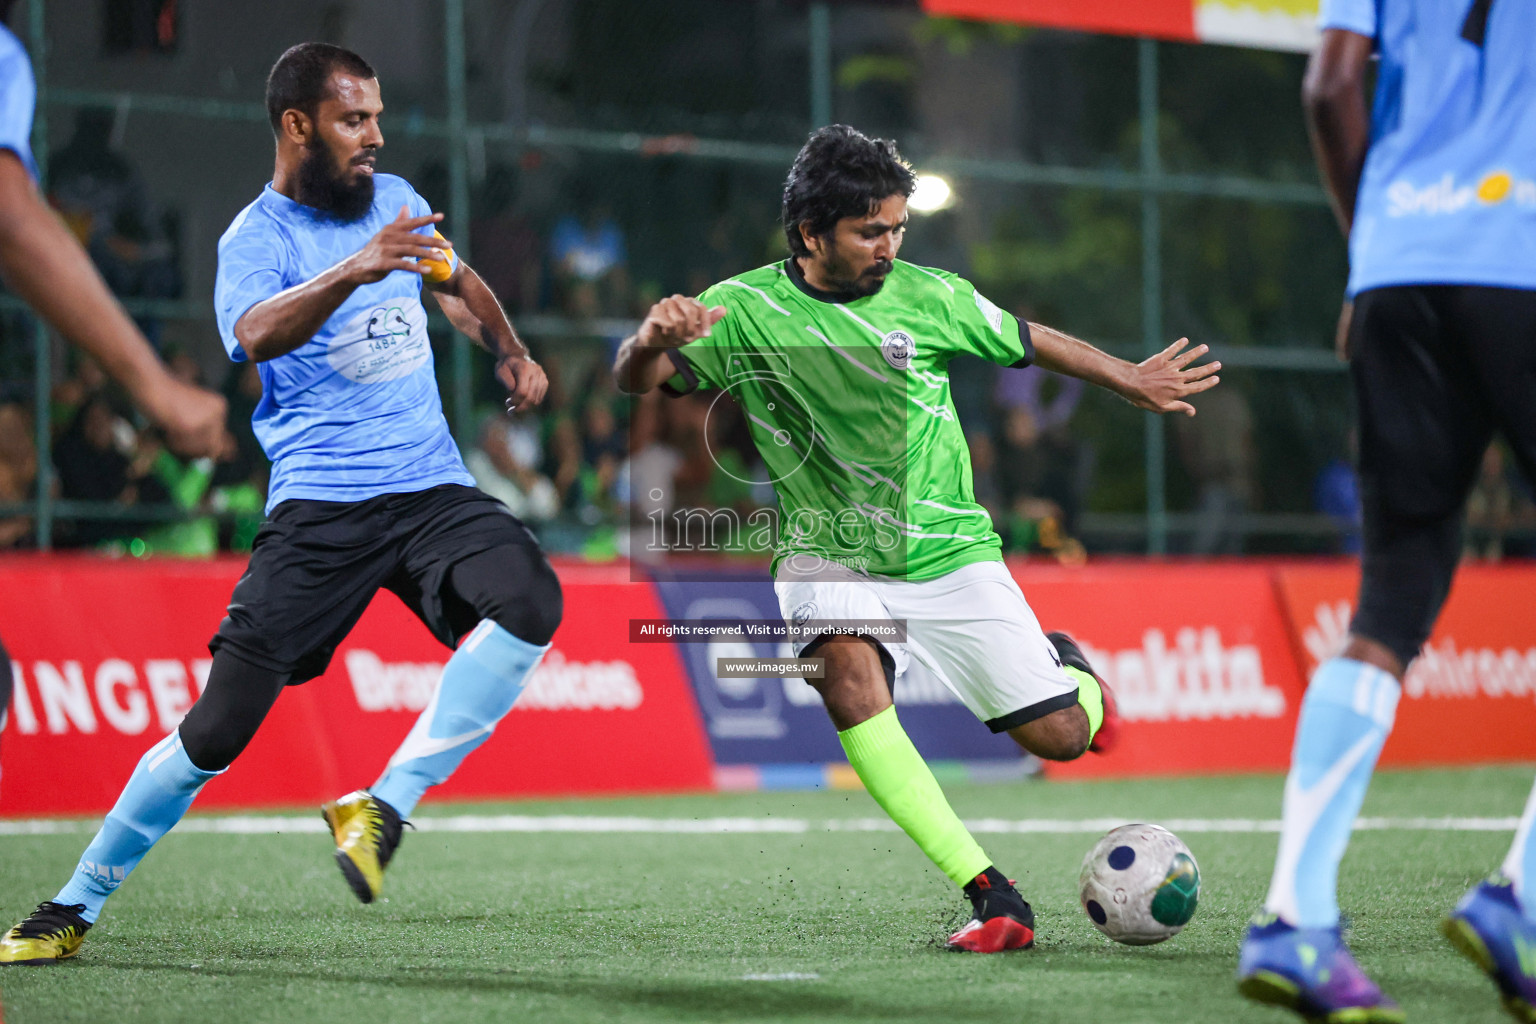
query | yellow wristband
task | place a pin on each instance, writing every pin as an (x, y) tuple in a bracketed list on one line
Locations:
[(440, 267)]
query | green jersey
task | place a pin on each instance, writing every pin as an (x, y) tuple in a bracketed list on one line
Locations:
[(847, 400)]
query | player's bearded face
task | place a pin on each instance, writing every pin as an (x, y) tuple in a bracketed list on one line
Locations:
[(336, 188), (860, 251), (336, 174)]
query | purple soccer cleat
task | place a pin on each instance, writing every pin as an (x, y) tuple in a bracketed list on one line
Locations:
[(1310, 971), (1488, 928)]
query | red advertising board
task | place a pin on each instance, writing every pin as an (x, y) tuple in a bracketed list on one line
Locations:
[(1269, 24), (1470, 697), (108, 656), (1198, 655), (1167, 19), (1209, 662)]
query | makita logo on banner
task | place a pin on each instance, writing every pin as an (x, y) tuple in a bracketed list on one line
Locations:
[(1442, 670), (558, 684), (1196, 677), (117, 695)]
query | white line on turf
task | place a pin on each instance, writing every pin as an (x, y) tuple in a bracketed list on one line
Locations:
[(576, 823), (786, 976)]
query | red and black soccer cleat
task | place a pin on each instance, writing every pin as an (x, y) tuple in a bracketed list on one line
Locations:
[(1002, 920), (1072, 657)]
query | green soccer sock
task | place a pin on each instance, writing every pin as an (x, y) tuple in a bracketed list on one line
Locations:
[(895, 775), (1091, 696)]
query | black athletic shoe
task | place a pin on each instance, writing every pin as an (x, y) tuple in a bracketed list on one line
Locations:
[(1072, 657), (1002, 919), (52, 932)]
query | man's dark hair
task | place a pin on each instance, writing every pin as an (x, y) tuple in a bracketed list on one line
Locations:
[(840, 172), (301, 76)]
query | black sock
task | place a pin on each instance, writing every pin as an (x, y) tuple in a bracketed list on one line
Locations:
[(989, 879)]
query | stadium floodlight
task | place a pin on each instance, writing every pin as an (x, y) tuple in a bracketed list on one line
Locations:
[(933, 193)]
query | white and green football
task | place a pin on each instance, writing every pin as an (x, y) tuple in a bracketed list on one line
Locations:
[(1140, 884)]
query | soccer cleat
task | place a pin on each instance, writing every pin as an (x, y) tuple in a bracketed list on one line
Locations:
[(1002, 919), (1310, 971), (1072, 656), (1488, 928), (53, 932), (366, 832)]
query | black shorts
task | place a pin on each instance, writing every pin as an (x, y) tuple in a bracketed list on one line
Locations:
[(316, 565), (1437, 370)]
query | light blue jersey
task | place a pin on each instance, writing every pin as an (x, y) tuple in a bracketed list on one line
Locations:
[(18, 99), (354, 412), (1449, 190)]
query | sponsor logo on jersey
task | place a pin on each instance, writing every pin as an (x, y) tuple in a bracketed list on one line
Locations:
[(1445, 196), (898, 348), (386, 342), (990, 311)]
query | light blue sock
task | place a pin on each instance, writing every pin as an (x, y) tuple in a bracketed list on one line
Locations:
[(1345, 718), (159, 791), (480, 684), (1520, 865)]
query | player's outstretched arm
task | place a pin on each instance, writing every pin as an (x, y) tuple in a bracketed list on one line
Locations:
[(470, 305), (642, 362), (41, 261), (276, 326), (1159, 383)]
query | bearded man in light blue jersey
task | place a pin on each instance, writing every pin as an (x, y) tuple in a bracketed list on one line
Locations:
[(319, 283)]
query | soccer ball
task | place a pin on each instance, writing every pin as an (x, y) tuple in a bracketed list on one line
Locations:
[(1140, 884)]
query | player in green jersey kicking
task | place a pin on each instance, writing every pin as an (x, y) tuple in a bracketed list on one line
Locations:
[(838, 358)]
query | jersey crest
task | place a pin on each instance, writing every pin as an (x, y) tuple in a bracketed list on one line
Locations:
[(898, 348)]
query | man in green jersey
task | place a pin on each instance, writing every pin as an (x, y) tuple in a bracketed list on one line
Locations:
[(838, 357)]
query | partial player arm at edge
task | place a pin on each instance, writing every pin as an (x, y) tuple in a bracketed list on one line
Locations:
[(1338, 118), (1159, 383), (642, 363), (475, 312), (44, 264)]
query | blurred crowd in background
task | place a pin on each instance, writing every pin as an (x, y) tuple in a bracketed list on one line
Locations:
[(579, 242), (592, 468)]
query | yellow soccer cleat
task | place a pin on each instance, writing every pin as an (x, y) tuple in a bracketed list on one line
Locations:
[(52, 932), (366, 832)]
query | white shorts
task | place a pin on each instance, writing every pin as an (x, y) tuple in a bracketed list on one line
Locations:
[(970, 628)]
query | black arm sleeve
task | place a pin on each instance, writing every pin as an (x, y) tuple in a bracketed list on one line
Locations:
[(684, 370), (1029, 347)]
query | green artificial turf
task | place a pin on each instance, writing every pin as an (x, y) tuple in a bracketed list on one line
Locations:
[(663, 927)]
